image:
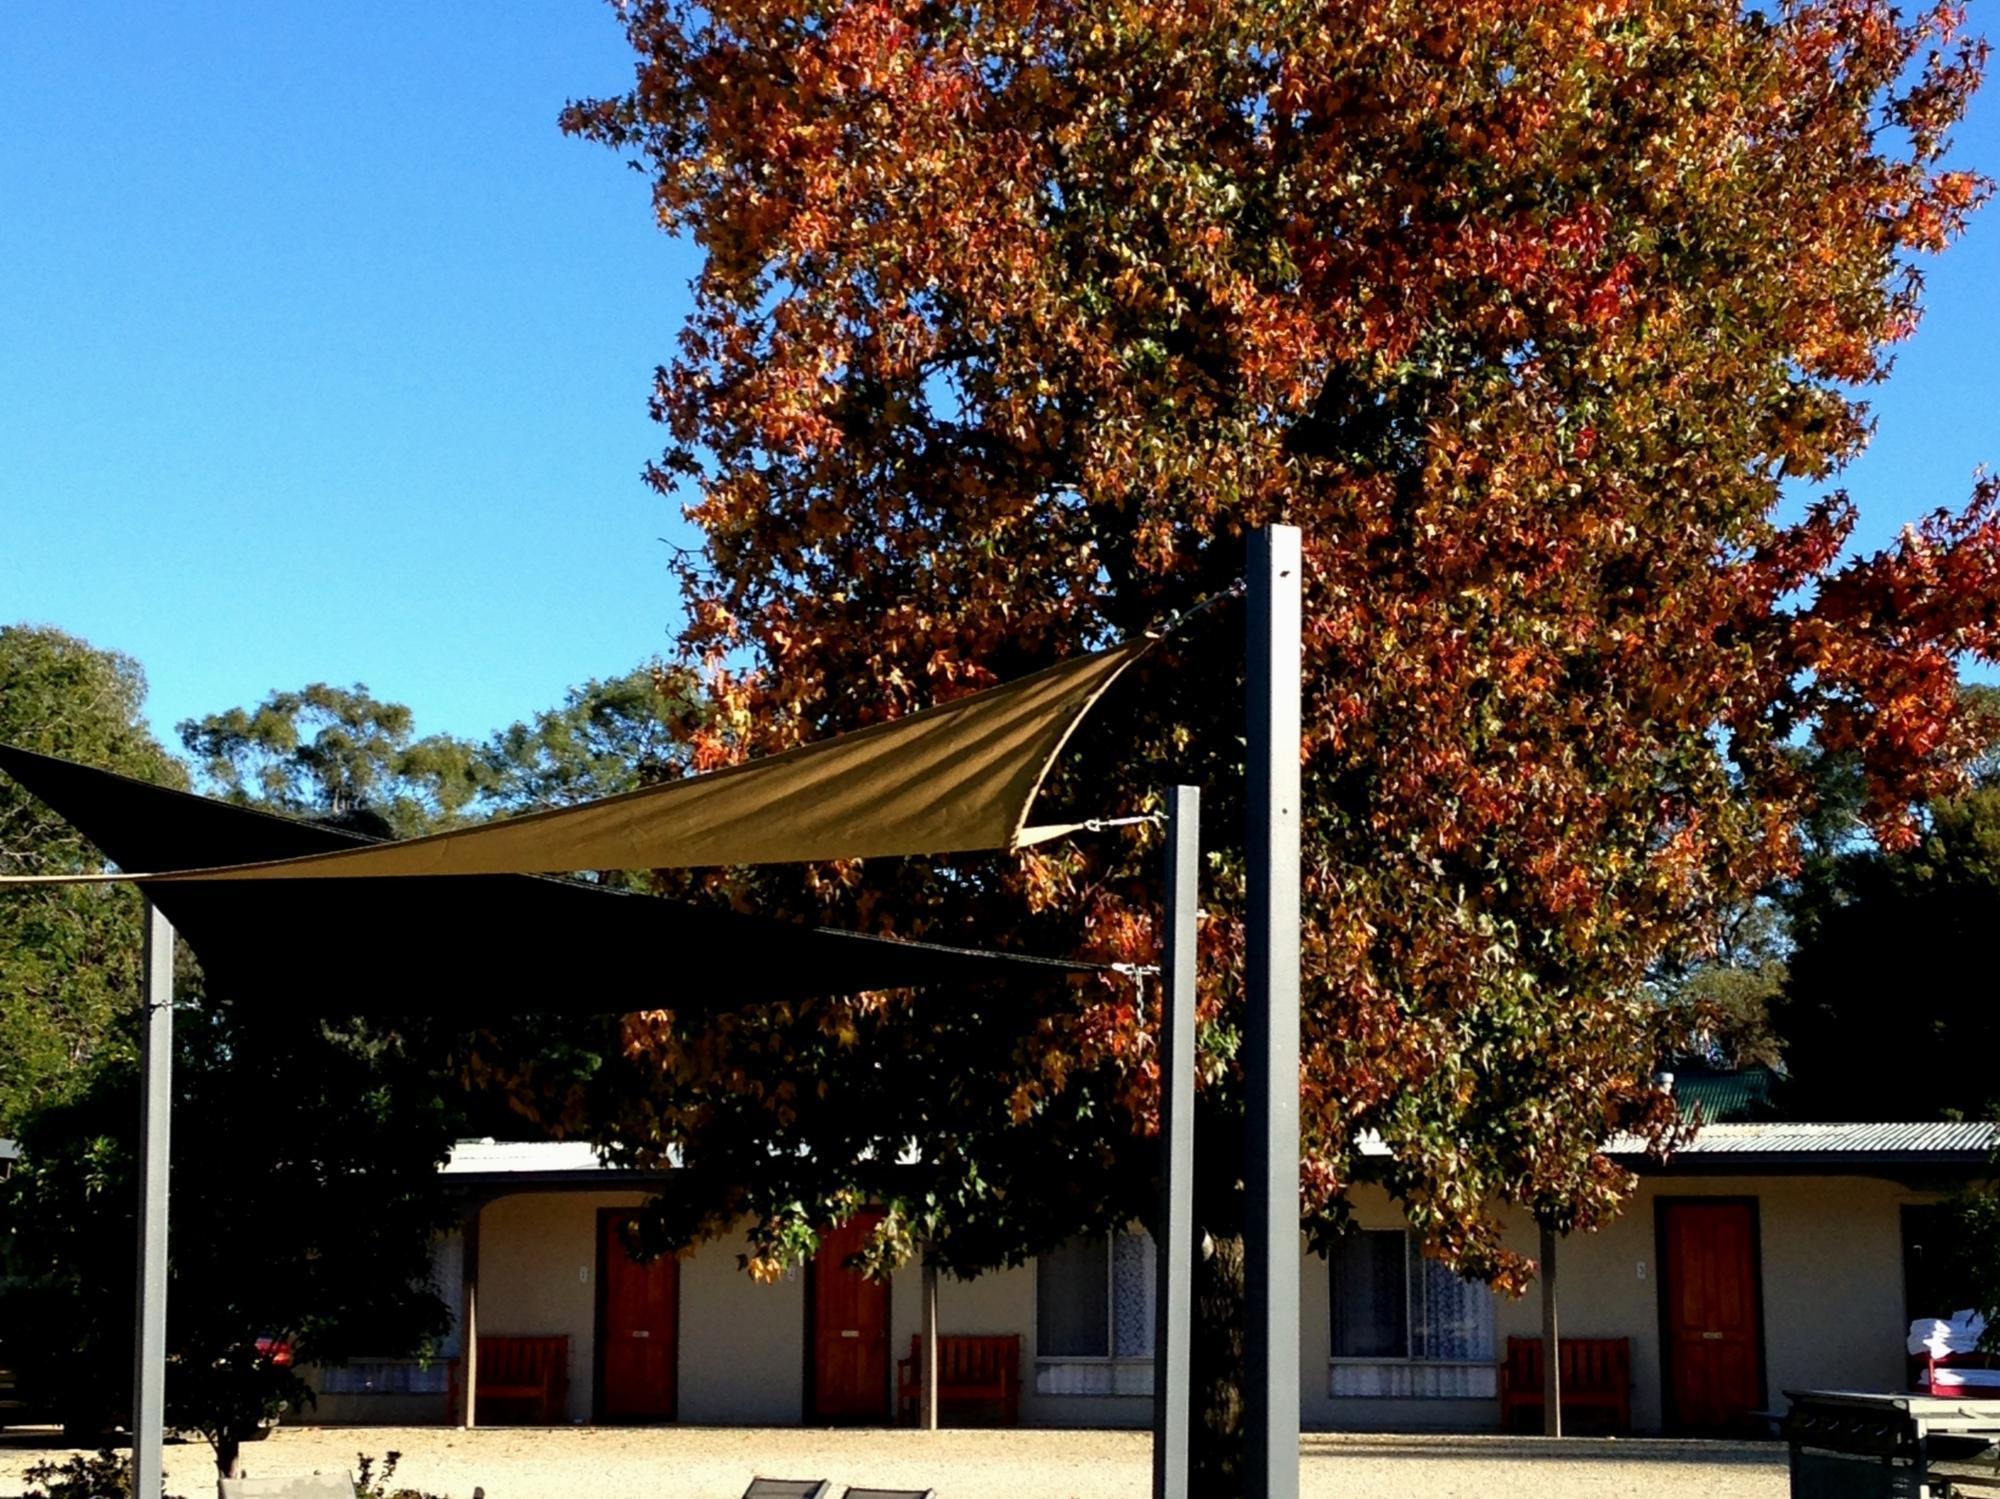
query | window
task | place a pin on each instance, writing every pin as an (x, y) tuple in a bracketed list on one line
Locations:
[(1404, 1325), (412, 1376), (1933, 1282), (386, 1377), (1094, 1317)]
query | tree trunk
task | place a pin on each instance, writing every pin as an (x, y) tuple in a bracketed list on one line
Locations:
[(1215, 1440), (228, 1454)]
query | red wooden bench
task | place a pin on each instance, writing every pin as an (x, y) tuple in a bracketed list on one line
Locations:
[(1596, 1376), (973, 1369), (527, 1375)]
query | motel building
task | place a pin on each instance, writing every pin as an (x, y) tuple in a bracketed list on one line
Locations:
[(1760, 1258)]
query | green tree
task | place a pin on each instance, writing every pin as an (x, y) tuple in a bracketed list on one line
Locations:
[(310, 1218), (1887, 1009), (305, 1204), (1718, 1006), (339, 754), (68, 955), (610, 735)]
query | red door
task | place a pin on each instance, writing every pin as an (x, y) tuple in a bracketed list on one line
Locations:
[(638, 1332), (850, 1330), (1711, 1317)]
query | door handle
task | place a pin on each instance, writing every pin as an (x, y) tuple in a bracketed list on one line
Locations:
[(850, 1332), (1712, 1337), (640, 1332)]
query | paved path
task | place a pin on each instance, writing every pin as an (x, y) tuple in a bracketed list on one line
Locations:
[(684, 1462)]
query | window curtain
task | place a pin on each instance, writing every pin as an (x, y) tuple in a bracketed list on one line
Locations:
[(1371, 1296), (1072, 1309), (1132, 1296), (1457, 1325)]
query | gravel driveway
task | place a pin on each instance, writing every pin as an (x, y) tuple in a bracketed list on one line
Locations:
[(683, 1462)]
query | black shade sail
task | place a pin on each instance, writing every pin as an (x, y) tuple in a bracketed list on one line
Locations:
[(465, 947)]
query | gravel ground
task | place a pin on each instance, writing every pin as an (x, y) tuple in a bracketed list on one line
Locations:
[(683, 1462)]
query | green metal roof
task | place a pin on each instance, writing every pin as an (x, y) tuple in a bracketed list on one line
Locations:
[(1720, 1096)]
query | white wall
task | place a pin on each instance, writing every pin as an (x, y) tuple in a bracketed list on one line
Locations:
[(743, 1343), (538, 1275)]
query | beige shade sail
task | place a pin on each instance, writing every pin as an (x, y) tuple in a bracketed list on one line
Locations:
[(956, 778)]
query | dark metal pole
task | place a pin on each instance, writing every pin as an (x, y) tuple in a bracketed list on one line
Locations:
[(156, 1083), (1174, 1309), (1271, 1021), (1552, 1409)]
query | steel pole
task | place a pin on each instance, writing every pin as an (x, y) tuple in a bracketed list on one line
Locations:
[(1271, 1020), (1174, 1281), (156, 1082)]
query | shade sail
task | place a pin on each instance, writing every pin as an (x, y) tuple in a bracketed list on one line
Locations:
[(467, 947), (952, 779)]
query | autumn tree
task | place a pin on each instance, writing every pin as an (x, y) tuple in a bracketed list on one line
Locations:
[(1013, 318)]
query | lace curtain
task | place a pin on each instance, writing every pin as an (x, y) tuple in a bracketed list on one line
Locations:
[(1457, 1323)]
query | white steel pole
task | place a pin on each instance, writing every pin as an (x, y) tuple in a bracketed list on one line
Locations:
[(1174, 1309), (1271, 1020), (156, 1078)]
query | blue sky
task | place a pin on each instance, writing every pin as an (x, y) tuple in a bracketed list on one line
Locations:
[(324, 355)]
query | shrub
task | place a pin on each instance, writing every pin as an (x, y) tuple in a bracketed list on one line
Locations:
[(105, 1476), (369, 1485)]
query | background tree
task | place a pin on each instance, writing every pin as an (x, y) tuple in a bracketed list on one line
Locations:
[(1015, 317), (1720, 1001), (338, 754), (307, 1203), (69, 956), (317, 1198), (610, 735), (1886, 1004)]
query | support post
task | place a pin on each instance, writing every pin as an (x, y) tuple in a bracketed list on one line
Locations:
[(1552, 1412), (1174, 1277), (928, 1416), (468, 1323), (1271, 1020), (156, 1081)]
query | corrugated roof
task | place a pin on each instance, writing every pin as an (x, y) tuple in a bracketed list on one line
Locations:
[(1807, 1142), (1717, 1096), (1761, 1138), (523, 1157)]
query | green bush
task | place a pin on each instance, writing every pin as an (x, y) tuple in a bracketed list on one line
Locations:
[(105, 1476), (370, 1485)]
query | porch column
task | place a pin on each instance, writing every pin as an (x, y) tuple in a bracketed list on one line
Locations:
[(927, 1417), (1552, 1414), (468, 1322)]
